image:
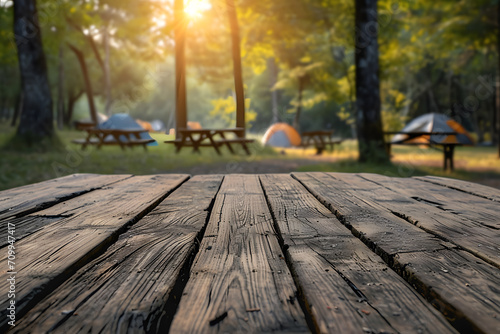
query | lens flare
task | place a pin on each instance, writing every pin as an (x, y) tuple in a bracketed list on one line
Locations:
[(195, 8)]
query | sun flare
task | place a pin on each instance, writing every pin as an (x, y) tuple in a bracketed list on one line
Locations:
[(195, 8)]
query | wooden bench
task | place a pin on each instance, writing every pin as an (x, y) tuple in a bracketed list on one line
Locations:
[(319, 139), (448, 148), (215, 138), (82, 125), (122, 137), (239, 139)]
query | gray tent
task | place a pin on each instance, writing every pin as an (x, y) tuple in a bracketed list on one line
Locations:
[(124, 122), (433, 122)]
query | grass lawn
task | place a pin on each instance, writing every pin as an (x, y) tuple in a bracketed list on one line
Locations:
[(471, 163), (28, 166), (20, 167)]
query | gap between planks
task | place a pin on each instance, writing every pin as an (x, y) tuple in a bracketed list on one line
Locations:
[(28, 199), (346, 287), (472, 278), (54, 253), (239, 279), (135, 286)]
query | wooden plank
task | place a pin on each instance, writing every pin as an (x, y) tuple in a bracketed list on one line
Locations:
[(25, 226), (344, 195), (130, 288), (348, 287), (467, 221), (465, 290), (91, 223), (475, 189), (34, 197), (239, 280), (473, 208), (391, 234)]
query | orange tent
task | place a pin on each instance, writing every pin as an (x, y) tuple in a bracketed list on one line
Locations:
[(281, 135), (145, 125)]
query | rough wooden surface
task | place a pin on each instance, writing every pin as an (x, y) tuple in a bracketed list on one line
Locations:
[(468, 221), (346, 286), (464, 186), (316, 252), (348, 197), (90, 223), (351, 197), (239, 280), (465, 290), (38, 196), (128, 287)]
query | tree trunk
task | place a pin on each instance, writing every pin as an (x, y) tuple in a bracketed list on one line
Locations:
[(273, 78), (60, 90), (296, 119), (72, 98), (17, 108), (368, 118), (497, 137), (237, 69), (36, 117), (88, 85), (180, 67), (107, 73), (493, 124)]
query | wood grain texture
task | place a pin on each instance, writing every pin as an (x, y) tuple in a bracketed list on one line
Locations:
[(349, 199), (470, 222), (126, 289), (342, 193), (480, 190), (92, 222), (34, 197), (465, 290), (239, 280), (348, 288)]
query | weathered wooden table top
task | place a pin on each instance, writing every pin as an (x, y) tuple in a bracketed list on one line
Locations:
[(306, 252)]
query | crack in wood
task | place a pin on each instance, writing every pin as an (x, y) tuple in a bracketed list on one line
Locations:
[(456, 188), (40, 292), (455, 316), (179, 286)]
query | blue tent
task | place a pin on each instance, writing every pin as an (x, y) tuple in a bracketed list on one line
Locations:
[(124, 122)]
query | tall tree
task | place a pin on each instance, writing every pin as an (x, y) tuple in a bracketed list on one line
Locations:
[(36, 117), (368, 118), (497, 118), (180, 67), (238, 71)]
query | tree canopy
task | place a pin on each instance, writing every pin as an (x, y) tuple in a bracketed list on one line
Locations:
[(298, 61)]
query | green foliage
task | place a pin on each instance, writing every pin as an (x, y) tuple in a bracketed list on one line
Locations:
[(433, 54), (225, 110)]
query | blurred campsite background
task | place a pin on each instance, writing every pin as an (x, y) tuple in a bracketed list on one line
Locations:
[(299, 68)]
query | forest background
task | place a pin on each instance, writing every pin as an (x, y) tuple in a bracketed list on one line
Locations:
[(298, 61)]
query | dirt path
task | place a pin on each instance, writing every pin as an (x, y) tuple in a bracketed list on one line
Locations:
[(253, 167), (288, 165)]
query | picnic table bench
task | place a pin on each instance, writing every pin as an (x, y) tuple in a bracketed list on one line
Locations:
[(448, 147), (215, 138), (319, 139), (122, 137), (306, 252)]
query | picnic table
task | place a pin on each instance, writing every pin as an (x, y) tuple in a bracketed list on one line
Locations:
[(448, 147), (215, 138), (306, 252), (122, 137), (320, 139)]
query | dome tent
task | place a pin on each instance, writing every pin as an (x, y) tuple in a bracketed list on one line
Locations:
[(433, 122), (125, 122), (281, 135)]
